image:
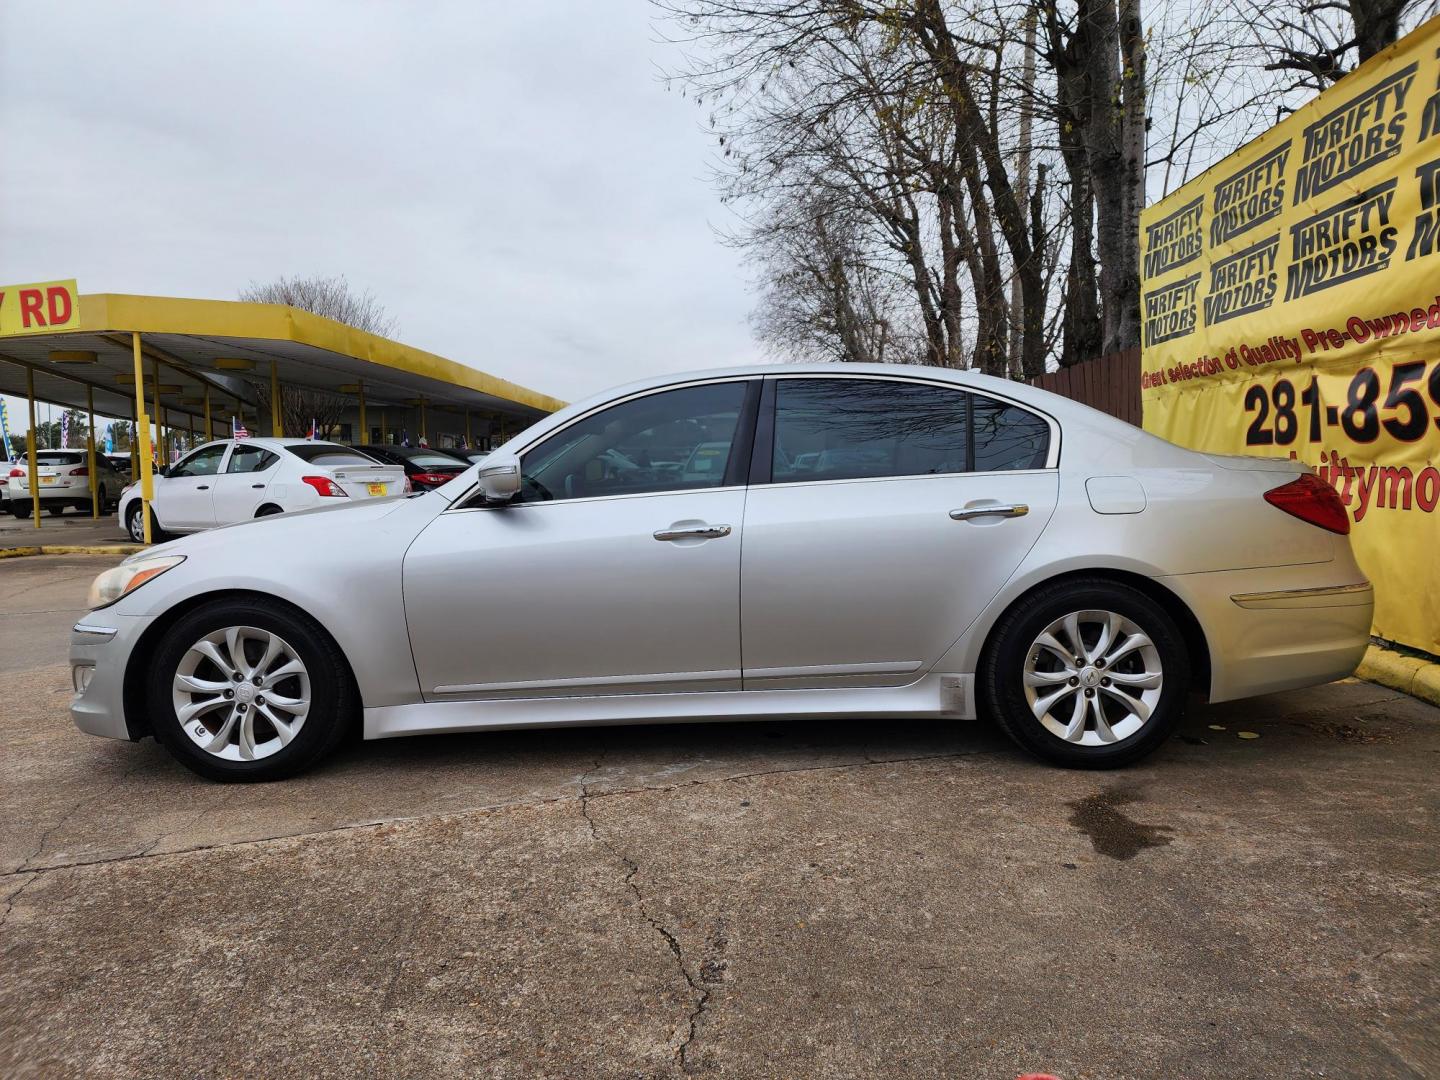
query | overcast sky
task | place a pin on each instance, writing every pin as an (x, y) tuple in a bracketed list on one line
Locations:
[(510, 179)]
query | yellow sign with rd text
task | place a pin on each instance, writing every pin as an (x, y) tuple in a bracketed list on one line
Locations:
[(1290, 304), (39, 308)]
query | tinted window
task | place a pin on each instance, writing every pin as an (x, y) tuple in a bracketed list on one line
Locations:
[(250, 459), (203, 462), (670, 441), (330, 455), (53, 457), (1008, 437), (443, 462), (844, 429)]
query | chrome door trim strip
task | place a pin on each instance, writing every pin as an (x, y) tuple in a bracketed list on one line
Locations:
[(1354, 595), (582, 683)]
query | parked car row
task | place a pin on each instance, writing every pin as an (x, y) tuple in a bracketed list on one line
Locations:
[(230, 480), (64, 477)]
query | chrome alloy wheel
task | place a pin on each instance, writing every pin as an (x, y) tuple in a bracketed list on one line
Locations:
[(1093, 678), (241, 693)]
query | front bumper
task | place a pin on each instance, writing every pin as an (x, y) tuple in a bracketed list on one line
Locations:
[(1279, 628), (102, 642)]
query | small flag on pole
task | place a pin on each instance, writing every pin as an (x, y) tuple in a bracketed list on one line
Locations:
[(312, 435), (240, 430)]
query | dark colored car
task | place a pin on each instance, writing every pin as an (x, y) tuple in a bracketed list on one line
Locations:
[(424, 468)]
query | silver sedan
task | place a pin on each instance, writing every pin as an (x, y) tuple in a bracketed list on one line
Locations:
[(805, 541)]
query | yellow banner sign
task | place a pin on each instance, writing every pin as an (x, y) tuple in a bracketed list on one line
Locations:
[(1291, 306), (39, 308)]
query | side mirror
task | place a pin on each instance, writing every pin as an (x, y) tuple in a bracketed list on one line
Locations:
[(500, 477)]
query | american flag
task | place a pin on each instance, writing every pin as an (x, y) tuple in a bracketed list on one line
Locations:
[(241, 432)]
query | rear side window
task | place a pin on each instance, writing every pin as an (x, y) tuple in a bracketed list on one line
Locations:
[(330, 455), (51, 457), (849, 429), (1008, 437), (250, 459)]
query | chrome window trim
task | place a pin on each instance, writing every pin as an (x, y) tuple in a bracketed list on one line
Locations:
[(460, 502), (1047, 471), (1052, 453)]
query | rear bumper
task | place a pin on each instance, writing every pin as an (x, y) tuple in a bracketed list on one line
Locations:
[(1279, 628)]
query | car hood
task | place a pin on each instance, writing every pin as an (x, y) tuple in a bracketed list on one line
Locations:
[(315, 529)]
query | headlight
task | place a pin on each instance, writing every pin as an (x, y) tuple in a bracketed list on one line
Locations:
[(127, 577)]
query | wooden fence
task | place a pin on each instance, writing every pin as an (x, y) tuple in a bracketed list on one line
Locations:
[(1110, 383)]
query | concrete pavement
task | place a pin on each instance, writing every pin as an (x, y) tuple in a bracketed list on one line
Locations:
[(792, 900)]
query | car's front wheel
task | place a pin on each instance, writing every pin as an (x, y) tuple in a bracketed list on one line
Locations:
[(1087, 673), (135, 525), (245, 691)]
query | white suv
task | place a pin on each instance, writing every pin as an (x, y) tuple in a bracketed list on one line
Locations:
[(64, 481)]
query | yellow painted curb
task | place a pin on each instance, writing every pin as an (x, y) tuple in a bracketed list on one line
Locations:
[(1413, 675), (69, 549)]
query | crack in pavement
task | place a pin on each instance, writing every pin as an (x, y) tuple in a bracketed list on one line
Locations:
[(65, 817), (632, 869), (512, 804), (14, 895)]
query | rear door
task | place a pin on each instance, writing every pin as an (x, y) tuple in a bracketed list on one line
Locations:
[(241, 488), (883, 515)]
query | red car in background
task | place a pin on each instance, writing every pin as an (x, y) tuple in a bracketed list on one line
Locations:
[(424, 468)]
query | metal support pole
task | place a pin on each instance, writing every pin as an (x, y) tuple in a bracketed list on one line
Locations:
[(157, 415), (90, 455), (275, 429), (134, 442), (468, 443), (384, 435), (209, 432), (364, 424), (30, 448), (142, 427), (424, 438)]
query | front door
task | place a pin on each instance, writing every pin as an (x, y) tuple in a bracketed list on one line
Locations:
[(184, 495), (894, 512), (617, 570)]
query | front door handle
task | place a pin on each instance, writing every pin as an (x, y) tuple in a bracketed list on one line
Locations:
[(697, 532), (1009, 510), (202, 487)]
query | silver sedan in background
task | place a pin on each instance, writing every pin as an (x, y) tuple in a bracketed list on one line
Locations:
[(802, 541)]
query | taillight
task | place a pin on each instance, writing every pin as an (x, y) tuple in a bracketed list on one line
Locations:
[(17, 472), (324, 485), (433, 478), (83, 470), (1311, 499), (407, 489)]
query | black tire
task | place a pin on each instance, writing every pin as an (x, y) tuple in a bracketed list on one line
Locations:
[(103, 503), (20, 507), (1002, 671), (55, 509), (333, 708), (132, 523)]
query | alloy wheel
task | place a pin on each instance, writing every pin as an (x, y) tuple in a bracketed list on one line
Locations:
[(1093, 678), (241, 693)]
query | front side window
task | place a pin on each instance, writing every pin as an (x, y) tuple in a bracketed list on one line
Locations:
[(671, 441), (250, 459), (851, 429), (203, 462)]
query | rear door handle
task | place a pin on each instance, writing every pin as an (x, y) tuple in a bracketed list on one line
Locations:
[(202, 487), (1009, 510), (697, 532)]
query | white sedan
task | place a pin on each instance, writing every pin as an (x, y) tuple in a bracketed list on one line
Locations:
[(801, 541), (229, 481), (64, 481)]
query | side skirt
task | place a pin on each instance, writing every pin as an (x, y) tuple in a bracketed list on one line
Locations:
[(933, 695)]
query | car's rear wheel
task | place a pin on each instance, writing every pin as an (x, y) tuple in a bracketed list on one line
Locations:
[(1087, 673), (55, 509), (20, 507), (244, 691)]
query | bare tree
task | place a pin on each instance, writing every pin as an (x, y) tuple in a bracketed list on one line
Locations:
[(300, 406), (331, 297)]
